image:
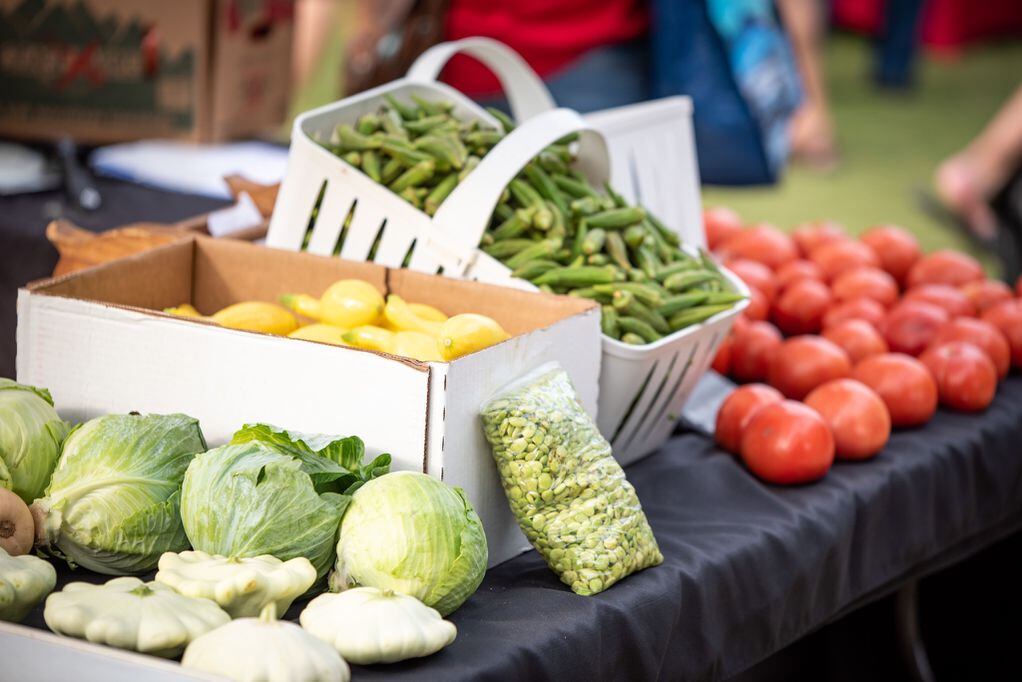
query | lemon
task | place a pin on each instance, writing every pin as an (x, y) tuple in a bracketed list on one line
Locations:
[(256, 316), (346, 303), (416, 345), (370, 337), (427, 312), (400, 316), (324, 333), (467, 333)]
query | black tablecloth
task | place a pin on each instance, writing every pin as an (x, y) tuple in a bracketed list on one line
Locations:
[(748, 568)]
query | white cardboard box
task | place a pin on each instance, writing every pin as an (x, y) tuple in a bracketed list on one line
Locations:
[(97, 341)]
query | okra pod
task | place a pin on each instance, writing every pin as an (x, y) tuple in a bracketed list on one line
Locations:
[(516, 225), (637, 275), (670, 236), (695, 315), (615, 247), (534, 268), (628, 304), (551, 163), (586, 206), (680, 281), (524, 193), (410, 195), (391, 123), (541, 249), (584, 276), (597, 259), (593, 241), (687, 263), (415, 175), (351, 140), (368, 124), (545, 186), (501, 213), (505, 121), (506, 248), (590, 293), (643, 292), (406, 112), (680, 302), (483, 138), (404, 154), (429, 108), (353, 158), (648, 261), (573, 187), (371, 165), (722, 297), (440, 192), (630, 325), (443, 149), (635, 236), (617, 218), (542, 217), (580, 236), (619, 201), (391, 170), (470, 165), (632, 339), (609, 321)]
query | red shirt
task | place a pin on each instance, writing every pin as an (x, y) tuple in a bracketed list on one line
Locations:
[(549, 34)]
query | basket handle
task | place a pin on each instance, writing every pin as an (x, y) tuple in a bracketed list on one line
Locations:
[(465, 213), (526, 92)]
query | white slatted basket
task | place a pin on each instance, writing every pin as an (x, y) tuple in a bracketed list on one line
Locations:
[(646, 150)]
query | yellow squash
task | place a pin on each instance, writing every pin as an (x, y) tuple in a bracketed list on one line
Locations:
[(324, 333), (467, 333), (400, 316), (347, 303), (183, 310), (256, 316), (427, 312), (416, 345), (370, 337)]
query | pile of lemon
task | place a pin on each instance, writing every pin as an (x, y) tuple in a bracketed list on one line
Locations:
[(352, 312)]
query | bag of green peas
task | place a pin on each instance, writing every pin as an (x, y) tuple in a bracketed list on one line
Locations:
[(566, 490)]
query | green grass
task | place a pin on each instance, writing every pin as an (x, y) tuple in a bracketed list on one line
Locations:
[(890, 143)]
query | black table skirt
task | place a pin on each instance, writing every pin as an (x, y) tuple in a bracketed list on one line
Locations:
[(749, 568)]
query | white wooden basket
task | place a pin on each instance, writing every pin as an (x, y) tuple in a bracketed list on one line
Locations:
[(646, 151)]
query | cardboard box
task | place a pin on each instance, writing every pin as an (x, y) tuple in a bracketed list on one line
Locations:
[(94, 339), (112, 70)]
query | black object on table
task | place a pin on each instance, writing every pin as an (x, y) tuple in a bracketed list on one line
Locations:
[(749, 568)]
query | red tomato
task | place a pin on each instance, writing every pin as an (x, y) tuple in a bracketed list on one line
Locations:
[(720, 223), (857, 309), (966, 379), (910, 326), (838, 257), (945, 267), (903, 383), (763, 243), (871, 283), (796, 270), (787, 443), (983, 335), (736, 411), (812, 235), (804, 362), (801, 306), (986, 293), (752, 350), (858, 338), (722, 360), (952, 300), (1007, 317), (855, 414), (754, 274), (896, 248), (758, 308)]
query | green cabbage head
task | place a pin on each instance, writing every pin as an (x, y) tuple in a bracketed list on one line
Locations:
[(411, 533), (30, 438), (272, 491), (113, 503)]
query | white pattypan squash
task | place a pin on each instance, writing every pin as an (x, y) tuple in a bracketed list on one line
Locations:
[(130, 614), (368, 625), (265, 649), (24, 581), (242, 587)]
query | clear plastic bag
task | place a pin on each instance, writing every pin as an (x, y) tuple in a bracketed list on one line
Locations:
[(568, 493)]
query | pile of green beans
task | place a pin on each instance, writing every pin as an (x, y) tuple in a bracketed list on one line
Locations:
[(551, 226)]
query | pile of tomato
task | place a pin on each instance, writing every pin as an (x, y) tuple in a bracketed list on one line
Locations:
[(846, 338)]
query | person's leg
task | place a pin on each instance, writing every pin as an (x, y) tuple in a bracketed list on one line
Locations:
[(968, 180), (812, 129), (896, 49)]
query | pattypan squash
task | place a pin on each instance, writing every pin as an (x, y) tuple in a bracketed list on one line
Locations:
[(242, 587), (369, 625), (265, 649), (130, 614), (24, 581)]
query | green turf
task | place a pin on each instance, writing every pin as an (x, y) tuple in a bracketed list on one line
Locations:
[(890, 143)]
